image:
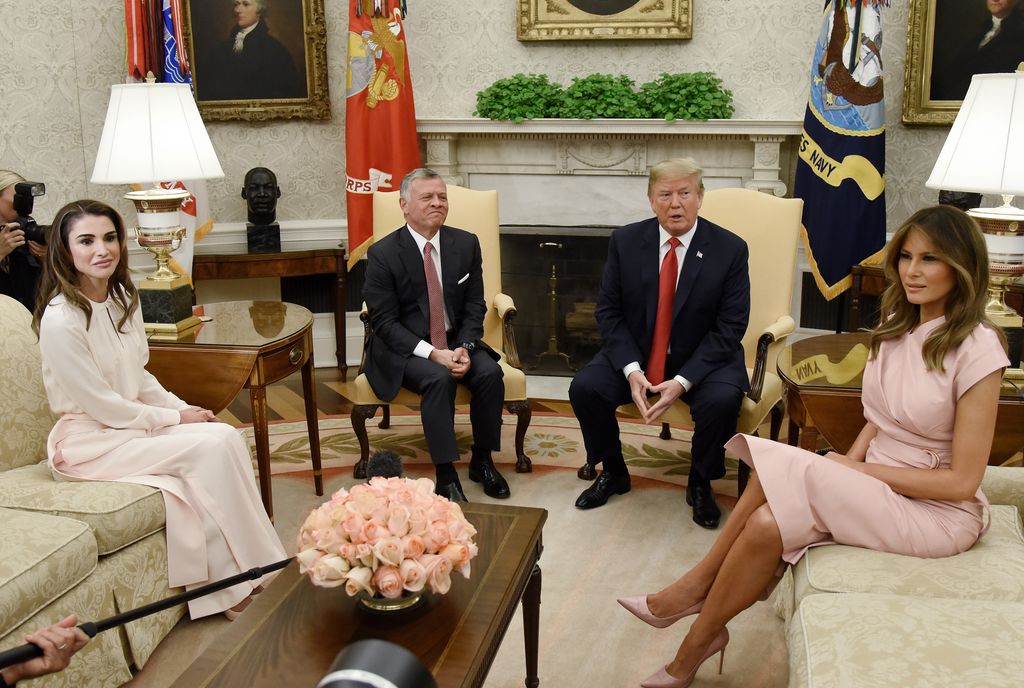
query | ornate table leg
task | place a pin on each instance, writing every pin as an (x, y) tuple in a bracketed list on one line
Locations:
[(312, 423), (258, 399)]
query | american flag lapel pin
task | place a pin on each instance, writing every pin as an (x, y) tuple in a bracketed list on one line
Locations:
[(699, 254)]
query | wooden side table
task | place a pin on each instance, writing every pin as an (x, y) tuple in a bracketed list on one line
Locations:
[(244, 344), (833, 409), (330, 261)]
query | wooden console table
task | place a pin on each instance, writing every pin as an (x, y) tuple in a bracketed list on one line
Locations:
[(328, 261), (245, 344)]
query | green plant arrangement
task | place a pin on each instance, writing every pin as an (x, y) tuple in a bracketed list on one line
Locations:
[(519, 97), (694, 95), (601, 95)]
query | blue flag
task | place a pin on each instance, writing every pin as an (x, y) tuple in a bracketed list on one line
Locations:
[(175, 71), (840, 172)]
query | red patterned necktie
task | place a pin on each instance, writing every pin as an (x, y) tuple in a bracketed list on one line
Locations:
[(437, 332), (663, 323)]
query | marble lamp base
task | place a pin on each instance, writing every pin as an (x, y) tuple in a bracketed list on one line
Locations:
[(167, 307)]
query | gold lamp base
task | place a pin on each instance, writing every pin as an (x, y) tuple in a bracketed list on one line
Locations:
[(1003, 228)]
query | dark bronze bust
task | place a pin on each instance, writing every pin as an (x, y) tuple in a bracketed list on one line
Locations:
[(261, 192)]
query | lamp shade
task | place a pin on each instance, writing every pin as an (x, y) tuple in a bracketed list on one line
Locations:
[(984, 152), (153, 133)]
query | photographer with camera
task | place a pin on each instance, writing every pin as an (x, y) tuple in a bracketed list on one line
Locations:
[(22, 241)]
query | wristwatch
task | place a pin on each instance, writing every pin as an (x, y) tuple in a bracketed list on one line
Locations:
[(468, 346)]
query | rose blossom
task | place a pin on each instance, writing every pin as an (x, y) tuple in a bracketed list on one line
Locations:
[(388, 582), (414, 576), (398, 520), (439, 571), (352, 526), (389, 551), (437, 536), (414, 546), (329, 571), (358, 579), (307, 557)]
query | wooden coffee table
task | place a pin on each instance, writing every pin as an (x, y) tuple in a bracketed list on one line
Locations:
[(292, 632)]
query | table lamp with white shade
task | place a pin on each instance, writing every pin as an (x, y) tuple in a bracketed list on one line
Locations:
[(984, 153), (153, 133)]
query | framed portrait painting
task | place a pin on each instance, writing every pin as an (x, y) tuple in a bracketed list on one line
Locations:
[(948, 42), (258, 59), (564, 20)]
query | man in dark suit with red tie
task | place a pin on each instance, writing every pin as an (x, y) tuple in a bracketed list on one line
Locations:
[(672, 310), (425, 295)]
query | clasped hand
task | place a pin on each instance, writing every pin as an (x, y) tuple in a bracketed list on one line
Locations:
[(196, 414), (457, 361), (640, 387)]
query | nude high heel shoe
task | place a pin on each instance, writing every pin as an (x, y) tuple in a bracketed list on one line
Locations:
[(637, 606), (663, 679)]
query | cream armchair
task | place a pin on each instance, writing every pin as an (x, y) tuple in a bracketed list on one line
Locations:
[(770, 226), (477, 212)]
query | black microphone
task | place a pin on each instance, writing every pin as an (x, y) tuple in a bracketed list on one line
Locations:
[(28, 651), (377, 664), (383, 464)]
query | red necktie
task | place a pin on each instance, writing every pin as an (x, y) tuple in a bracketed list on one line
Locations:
[(663, 323), (437, 332)]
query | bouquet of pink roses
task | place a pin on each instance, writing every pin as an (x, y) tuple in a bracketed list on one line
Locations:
[(385, 537)]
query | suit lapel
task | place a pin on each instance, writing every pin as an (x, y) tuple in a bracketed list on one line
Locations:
[(412, 261), (691, 265), (449, 272), (649, 270)]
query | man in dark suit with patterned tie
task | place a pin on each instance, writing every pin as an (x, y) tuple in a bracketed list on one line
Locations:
[(425, 295), (672, 310)]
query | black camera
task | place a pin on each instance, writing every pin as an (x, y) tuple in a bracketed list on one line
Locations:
[(24, 199)]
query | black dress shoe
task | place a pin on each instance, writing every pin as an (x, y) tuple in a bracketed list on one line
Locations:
[(483, 471), (587, 472), (705, 511), (451, 490), (606, 485)]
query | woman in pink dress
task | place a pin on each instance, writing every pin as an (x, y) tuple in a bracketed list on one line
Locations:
[(117, 423), (910, 482)]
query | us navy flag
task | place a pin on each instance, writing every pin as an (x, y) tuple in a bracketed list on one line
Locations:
[(841, 168)]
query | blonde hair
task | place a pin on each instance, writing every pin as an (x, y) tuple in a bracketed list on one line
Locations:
[(60, 277), (675, 168), (7, 178), (958, 243)]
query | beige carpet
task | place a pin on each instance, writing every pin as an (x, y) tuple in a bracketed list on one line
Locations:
[(634, 544)]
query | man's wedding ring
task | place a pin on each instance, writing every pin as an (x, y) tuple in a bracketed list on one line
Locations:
[(62, 646)]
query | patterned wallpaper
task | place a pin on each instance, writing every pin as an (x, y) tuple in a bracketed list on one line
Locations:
[(59, 57)]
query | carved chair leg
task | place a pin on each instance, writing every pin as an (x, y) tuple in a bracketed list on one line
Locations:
[(524, 415), (778, 411), (385, 421), (360, 413), (666, 432)]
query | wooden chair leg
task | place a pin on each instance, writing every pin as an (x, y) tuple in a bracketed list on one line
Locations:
[(523, 416), (359, 415), (666, 432), (778, 411), (385, 421)]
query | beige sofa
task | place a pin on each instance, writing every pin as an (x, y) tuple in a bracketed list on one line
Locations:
[(858, 618), (93, 549)]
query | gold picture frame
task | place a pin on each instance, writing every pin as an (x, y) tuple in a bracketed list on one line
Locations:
[(567, 20), (285, 75), (939, 36)]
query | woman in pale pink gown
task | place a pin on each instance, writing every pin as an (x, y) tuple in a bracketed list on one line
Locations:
[(117, 423), (910, 482)]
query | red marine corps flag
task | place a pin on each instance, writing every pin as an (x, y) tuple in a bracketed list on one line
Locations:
[(380, 118)]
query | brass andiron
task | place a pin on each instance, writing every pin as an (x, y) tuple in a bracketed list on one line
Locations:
[(552, 349)]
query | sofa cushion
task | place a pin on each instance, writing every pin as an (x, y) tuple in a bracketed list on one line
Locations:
[(44, 557), (867, 640), (118, 513), (24, 410), (991, 570)]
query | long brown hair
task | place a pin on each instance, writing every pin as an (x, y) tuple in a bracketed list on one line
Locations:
[(959, 244), (60, 277)]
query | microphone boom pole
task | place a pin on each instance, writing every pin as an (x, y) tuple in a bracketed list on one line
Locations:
[(29, 651)]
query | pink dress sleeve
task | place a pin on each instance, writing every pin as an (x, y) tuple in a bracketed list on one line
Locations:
[(980, 354)]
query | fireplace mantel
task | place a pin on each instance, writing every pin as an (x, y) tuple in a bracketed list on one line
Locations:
[(573, 172)]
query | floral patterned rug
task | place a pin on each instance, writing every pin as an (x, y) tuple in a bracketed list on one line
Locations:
[(552, 441)]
